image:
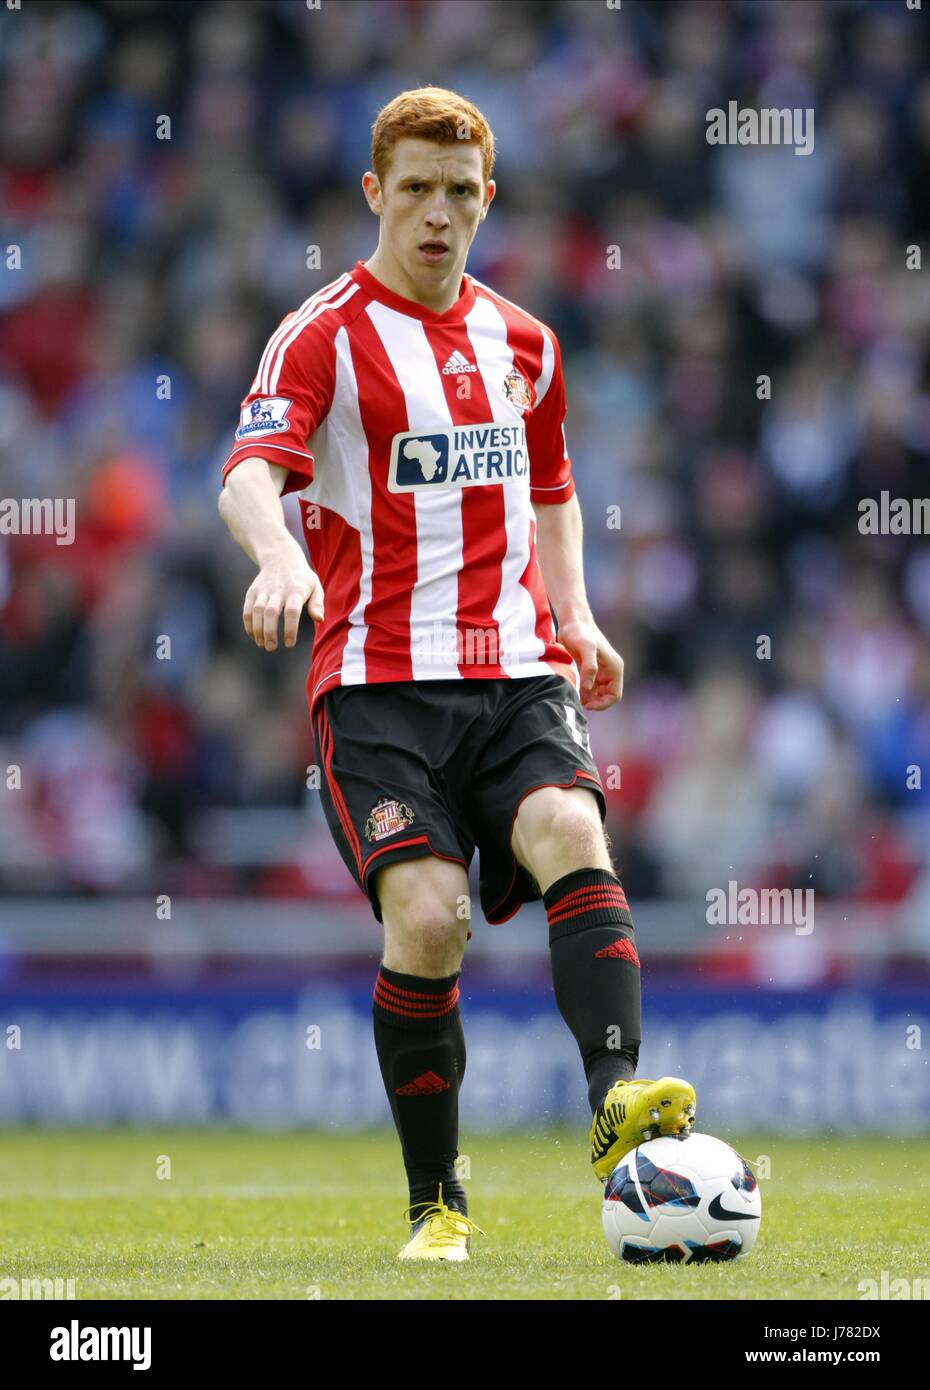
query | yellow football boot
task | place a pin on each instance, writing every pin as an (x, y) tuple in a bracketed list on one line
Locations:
[(634, 1111), (439, 1233)]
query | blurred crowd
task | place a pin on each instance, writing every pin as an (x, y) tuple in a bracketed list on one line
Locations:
[(152, 270)]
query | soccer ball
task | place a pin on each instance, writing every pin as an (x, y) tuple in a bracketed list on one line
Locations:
[(681, 1201)]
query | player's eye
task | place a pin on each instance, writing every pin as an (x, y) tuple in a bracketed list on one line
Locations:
[(413, 187), (462, 188)]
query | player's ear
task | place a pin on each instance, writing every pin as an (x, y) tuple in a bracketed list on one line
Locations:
[(372, 190)]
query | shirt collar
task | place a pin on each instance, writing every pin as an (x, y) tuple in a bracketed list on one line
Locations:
[(376, 290)]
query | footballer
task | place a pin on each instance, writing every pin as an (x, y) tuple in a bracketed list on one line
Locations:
[(418, 415)]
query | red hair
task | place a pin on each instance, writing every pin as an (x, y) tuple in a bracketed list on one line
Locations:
[(429, 113)]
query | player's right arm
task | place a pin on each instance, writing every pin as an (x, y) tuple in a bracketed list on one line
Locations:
[(250, 505)]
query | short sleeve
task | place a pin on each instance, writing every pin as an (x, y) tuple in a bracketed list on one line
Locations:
[(288, 400), (550, 466)]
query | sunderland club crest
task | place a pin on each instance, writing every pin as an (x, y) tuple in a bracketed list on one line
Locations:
[(516, 389), (387, 816)]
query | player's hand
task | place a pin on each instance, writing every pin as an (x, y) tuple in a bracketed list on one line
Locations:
[(600, 666), (284, 584)]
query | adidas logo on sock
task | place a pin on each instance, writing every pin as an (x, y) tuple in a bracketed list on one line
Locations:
[(621, 949), (457, 363), (426, 1084)]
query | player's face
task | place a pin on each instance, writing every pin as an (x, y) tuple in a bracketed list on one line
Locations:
[(432, 201)]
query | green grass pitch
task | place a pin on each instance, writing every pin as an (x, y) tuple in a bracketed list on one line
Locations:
[(297, 1216)]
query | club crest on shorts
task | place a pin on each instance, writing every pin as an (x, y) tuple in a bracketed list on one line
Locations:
[(387, 816), (516, 389)]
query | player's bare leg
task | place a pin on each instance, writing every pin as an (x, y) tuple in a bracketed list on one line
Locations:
[(558, 836), (424, 904), (420, 1043)]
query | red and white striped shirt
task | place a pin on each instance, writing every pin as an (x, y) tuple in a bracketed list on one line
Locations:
[(417, 443)]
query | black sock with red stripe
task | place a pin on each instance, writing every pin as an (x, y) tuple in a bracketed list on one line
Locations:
[(595, 971), (421, 1050)]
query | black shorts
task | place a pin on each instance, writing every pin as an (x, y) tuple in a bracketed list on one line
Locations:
[(440, 766)]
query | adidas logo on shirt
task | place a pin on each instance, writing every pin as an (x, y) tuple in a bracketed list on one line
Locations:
[(457, 363)]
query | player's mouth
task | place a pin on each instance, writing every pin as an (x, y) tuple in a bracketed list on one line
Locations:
[(433, 251)]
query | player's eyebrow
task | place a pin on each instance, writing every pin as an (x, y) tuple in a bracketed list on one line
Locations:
[(467, 181)]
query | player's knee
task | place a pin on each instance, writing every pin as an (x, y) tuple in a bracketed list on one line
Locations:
[(562, 831), (574, 839), (424, 906)]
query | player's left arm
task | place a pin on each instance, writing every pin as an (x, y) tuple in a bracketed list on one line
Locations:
[(559, 533), (559, 536)]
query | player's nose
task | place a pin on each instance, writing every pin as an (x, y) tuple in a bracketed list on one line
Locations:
[(437, 215)]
